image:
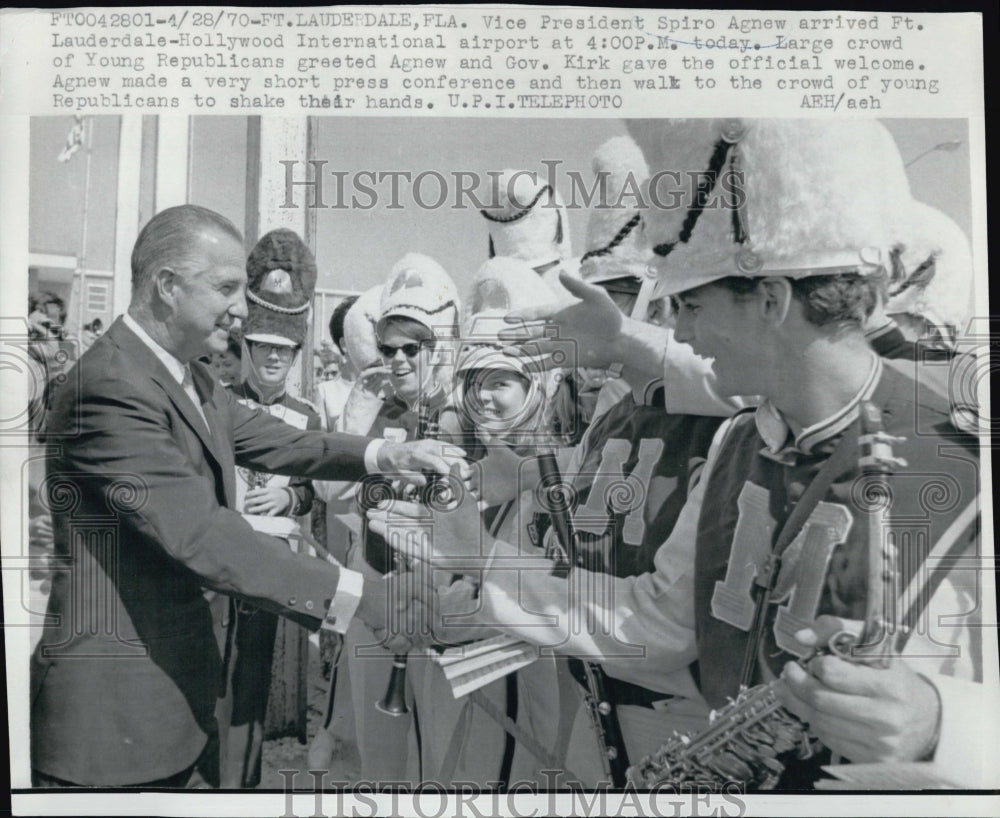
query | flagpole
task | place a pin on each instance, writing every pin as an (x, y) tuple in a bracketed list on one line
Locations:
[(87, 144)]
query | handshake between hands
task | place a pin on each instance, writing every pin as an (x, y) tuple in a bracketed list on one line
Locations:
[(407, 611), (445, 531), (404, 608), (398, 608), (439, 538)]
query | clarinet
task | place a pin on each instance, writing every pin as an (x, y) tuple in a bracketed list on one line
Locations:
[(750, 739), (393, 702), (602, 712), (438, 491)]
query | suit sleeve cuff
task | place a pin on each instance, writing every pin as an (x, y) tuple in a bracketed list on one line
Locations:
[(371, 455), (345, 601)]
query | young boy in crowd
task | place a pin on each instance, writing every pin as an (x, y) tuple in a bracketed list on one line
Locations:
[(281, 275)]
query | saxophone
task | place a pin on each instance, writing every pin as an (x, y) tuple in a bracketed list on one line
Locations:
[(750, 739)]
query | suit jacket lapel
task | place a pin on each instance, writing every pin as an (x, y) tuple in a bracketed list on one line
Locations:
[(209, 388), (148, 363)]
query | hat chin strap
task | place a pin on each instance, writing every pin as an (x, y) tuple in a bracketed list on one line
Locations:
[(260, 302), (549, 262), (642, 300), (268, 394)]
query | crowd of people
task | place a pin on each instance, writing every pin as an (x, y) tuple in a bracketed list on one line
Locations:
[(618, 488)]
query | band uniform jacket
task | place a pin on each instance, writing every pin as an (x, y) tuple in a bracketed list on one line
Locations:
[(126, 675)]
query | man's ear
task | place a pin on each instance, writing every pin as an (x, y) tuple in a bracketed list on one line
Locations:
[(775, 294), (165, 283)]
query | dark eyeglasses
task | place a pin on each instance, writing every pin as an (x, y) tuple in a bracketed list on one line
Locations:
[(282, 352), (409, 350)]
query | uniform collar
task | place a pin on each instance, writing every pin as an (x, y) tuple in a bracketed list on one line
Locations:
[(255, 393), (774, 429), (174, 366), (428, 400)]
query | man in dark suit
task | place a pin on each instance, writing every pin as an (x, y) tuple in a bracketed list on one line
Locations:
[(142, 449)]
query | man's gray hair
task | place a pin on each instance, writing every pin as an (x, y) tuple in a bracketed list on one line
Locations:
[(167, 240)]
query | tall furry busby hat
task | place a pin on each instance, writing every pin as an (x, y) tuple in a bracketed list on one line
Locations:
[(281, 278), (360, 340), (931, 269), (614, 246), (419, 288), (759, 197), (527, 220)]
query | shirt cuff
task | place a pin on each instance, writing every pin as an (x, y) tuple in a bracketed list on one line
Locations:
[(963, 756), (293, 502), (345, 601), (371, 455)]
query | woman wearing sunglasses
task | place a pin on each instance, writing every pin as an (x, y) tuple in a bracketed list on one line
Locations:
[(417, 320)]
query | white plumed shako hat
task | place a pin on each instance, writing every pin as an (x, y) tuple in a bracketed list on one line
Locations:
[(419, 288), (527, 219), (931, 271), (501, 285), (360, 340), (615, 249), (759, 197)]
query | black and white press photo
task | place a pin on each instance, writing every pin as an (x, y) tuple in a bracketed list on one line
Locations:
[(508, 447)]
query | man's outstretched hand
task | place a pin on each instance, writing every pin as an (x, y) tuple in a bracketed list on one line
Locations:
[(397, 607), (412, 460), (593, 321), (450, 537)]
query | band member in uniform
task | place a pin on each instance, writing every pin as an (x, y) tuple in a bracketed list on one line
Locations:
[(634, 445), (774, 290), (629, 478), (419, 312), (281, 277)]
